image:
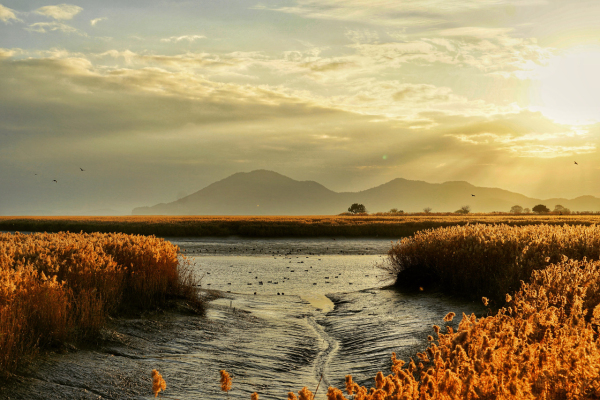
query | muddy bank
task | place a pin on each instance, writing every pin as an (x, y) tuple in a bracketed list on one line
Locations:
[(269, 344), (330, 318)]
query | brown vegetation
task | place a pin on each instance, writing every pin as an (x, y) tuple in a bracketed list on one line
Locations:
[(487, 260), (62, 287), (391, 226)]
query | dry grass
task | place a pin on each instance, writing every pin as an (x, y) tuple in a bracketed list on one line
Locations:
[(396, 226), (487, 260), (61, 287)]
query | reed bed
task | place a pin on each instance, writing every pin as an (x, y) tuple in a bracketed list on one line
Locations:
[(396, 226), (487, 260), (57, 288), (543, 345)]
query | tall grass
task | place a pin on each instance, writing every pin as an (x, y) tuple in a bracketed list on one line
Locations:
[(487, 260), (62, 287), (401, 225)]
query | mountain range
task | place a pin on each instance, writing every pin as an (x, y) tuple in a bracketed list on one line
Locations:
[(263, 192)]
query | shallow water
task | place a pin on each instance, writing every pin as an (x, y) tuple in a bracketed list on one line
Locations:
[(331, 317)]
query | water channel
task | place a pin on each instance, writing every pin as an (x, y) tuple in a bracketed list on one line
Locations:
[(283, 314)]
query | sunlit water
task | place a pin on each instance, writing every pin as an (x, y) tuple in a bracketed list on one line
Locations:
[(332, 317)]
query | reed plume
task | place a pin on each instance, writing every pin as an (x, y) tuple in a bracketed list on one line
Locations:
[(225, 381), (158, 383)]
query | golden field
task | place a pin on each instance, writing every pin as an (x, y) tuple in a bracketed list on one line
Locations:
[(58, 288), (391, 226)]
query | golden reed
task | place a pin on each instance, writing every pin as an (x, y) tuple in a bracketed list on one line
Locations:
[(487, 260), (60, 287)]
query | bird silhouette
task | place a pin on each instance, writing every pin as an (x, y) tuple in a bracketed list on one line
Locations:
[(576, 163), (54, 180), (81, 169), (473, 195)]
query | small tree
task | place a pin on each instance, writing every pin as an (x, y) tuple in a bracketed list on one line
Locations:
[(516, 209), (357, 208), (561, 210), (396, 211), (427, 210), (527, 210), (463, 210), (540, 208)]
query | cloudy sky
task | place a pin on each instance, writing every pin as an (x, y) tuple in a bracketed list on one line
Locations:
[(156, 99)]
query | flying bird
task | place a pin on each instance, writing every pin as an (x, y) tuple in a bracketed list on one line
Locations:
[(473, 195), (81, 169), (576, 163), (54, 180)]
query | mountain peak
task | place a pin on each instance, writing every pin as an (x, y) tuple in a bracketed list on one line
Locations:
[(265, 192)]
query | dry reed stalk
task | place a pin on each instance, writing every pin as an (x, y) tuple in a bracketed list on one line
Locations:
[(59, 287)]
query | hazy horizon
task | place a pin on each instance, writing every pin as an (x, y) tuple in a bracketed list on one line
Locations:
[(157, 99)]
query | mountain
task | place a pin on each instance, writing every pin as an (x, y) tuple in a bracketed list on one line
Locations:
[(263, 192)]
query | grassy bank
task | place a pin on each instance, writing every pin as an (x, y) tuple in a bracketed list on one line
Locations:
[(285, 226), (487, 260), (59, 288)]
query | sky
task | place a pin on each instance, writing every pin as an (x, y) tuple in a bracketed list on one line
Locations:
[(156, 99)]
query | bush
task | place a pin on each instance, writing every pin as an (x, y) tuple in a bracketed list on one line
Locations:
[(357, 208)]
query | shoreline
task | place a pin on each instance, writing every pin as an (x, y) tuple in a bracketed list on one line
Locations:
[(383, 227)]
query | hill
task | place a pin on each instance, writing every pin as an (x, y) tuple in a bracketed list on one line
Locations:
[(263, 192)]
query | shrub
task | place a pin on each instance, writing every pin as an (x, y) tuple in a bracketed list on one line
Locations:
[(357, 208)]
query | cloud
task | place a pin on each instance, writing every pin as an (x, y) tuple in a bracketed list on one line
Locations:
[(93, 22), (72, 96), (6, 14), (385, 12), (60, 11), (522, 134), (6, 53), (491, 51), (177, 39), (45, 27)]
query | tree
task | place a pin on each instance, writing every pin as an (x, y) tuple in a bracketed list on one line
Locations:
[(527, 210), (357, 208), (396, 211), (427, 210), (540, 208), (516, 209), (463, 210), (561, 210)]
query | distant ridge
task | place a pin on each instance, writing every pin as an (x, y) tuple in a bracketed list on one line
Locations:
[(263, 192)]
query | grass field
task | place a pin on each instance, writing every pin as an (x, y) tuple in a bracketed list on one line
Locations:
[(61, 288), (279, 226)]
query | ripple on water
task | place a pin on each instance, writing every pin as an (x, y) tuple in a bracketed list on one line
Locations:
[(270, 344)]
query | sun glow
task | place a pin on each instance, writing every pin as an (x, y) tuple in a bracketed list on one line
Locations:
[(567, 89)]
